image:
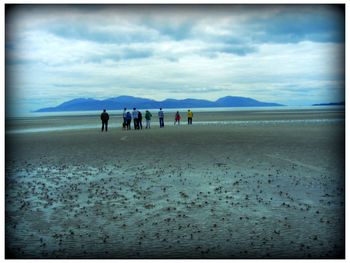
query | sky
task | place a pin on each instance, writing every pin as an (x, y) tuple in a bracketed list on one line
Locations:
[(289, 54)]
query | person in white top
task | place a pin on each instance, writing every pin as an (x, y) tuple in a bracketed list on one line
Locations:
[(124, 118), (135, 116)]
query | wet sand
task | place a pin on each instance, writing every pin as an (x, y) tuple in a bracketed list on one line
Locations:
[(201, 191), (92, 120)]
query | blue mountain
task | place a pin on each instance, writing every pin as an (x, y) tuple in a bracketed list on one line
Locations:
[(118, 103), (230, 101)]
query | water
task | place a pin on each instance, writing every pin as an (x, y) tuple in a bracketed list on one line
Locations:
[(217, 109)]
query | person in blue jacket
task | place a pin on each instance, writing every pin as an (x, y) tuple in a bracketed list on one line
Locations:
[(128, 120), (161, 118)]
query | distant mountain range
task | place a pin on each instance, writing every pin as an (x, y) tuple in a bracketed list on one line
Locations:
[(129, 102), (331, 104)]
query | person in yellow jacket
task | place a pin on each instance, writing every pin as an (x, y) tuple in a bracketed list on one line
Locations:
[(189, 117)]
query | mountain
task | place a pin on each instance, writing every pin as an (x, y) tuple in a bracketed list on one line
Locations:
[(230, 101), (331, 104), (118, 103), (187, 103)]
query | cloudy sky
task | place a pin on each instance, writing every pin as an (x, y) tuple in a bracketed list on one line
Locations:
[(290, 54)]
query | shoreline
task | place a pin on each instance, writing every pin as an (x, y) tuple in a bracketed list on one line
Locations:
[(74, 122), (184, 110)]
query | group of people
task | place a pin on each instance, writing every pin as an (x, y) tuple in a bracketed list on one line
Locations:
[(136, 116)]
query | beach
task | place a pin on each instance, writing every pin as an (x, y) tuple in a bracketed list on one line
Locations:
[(255, 184)]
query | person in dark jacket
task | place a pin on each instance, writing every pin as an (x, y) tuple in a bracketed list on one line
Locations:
[(124, 117), (104, 119), (139, 120)]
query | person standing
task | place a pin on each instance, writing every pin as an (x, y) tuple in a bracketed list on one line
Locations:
[(124, 117), (148, 117), (128, 120), (161, 118), (177, 118), (135, 116), (189, 117), (104, 119), (139, 114)]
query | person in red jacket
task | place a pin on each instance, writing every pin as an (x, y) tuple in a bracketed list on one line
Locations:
[(177, 118), (104, 119)]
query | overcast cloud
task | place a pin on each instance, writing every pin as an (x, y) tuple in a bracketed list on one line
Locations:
[(290, 54)]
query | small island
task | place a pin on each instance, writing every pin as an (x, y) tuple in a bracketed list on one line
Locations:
[(342, 103)]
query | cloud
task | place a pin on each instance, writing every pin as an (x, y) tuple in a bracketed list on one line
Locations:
[(271, 52), (276, 24), (293, 24), (119, 33)]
